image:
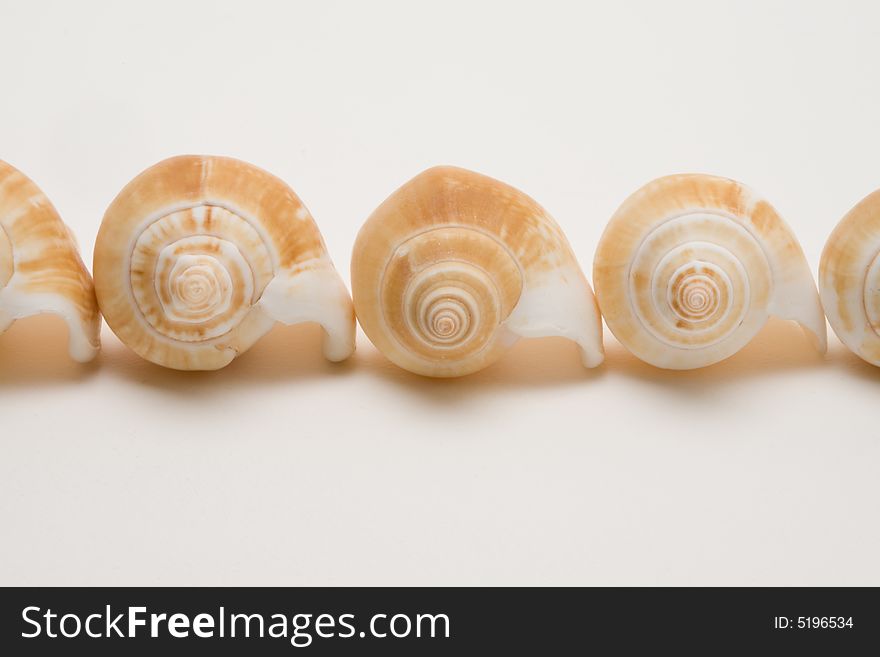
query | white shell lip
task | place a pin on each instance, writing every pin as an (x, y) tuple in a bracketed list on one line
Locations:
[(84, 337), (728, 216), (317, 294), (561, 304)]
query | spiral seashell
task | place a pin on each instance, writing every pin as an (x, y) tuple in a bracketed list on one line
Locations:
[(849, 279), (199, 256), (691, 266), (40, 268), (454, 267)]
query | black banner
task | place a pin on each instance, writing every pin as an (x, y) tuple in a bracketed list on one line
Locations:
[(418, 621)]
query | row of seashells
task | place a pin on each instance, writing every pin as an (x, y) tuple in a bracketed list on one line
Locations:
[(199, 256)]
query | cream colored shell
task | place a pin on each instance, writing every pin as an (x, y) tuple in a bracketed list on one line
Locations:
[(454, 267), (849, 279), (40, 268), (199, 256), (691, 266)]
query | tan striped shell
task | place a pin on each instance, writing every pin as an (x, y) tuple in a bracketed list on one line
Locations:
[(455, 266), (691, 266), (40, 268), (199, 256), (849, 279)]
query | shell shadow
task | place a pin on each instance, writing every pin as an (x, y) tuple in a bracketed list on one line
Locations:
[(855, 366), (534, 363), (779, 347), (33, 352), (286, 354)]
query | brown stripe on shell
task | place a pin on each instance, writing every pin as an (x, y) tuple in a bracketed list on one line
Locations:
[(43, 249), (7, 263), (846, 278)]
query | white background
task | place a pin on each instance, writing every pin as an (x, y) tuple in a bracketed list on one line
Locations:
[(285, 469)]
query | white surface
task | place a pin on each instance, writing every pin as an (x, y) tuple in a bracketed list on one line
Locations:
[(285, 469)]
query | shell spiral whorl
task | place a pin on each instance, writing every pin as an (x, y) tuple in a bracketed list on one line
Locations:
[(707, 279), (452, 287), (196, 273), (694, 292), (445, 315), (690, 268)]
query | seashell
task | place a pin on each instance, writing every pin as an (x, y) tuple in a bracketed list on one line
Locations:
[(691, 266), (849, 279), (199, 256), (40, 268), (454, 267)]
